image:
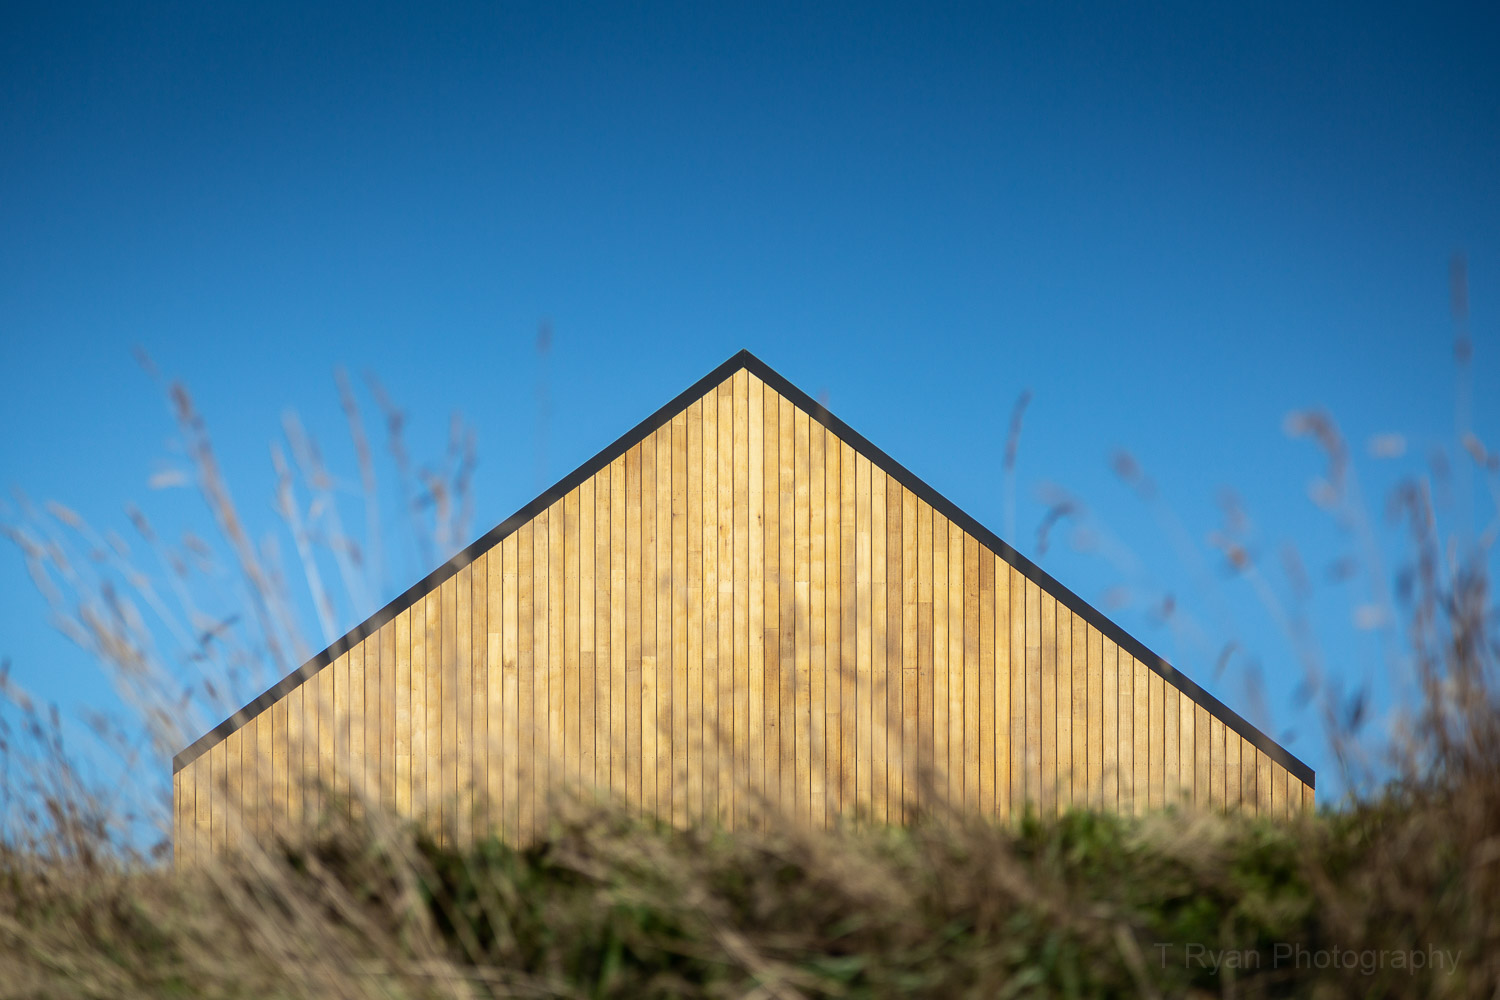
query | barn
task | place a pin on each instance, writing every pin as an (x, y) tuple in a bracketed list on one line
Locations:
[(740, 605)]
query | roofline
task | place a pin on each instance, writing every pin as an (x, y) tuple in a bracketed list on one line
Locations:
[(894, 469)]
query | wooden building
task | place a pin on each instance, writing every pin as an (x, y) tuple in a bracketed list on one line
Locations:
[(740, 603)]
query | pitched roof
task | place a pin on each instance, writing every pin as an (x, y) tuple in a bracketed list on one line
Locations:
[(749, 362)]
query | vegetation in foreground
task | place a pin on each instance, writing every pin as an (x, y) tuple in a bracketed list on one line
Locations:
[(1394, 898)]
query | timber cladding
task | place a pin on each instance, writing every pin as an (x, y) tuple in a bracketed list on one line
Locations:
[(741, 604)]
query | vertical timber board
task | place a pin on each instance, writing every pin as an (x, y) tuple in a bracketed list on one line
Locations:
[(369, 763), (619, 642), (862, 801), (957, 669), (260, 774), (1125, 669), (218, 759), (510, 694), (1048, 753), (942, 698), (361, 737), (692, 542), (1109, 773), (233, 802), (1249, 796), (1231, 770), (770, 619), (598, 541), (432, 709), (1202, 783), (339, 789), (880, 687), (1000, 616), (416, 708), (565, 574), (911, 693), (203, 844), (526, 670), (787, 681), (1064, 675), (1171, 754), (643, 582), (494, 697), (832, 606), (665, 634), (1079, 773), (849, 626), (833, 631), (634, 461), (295, 721), (403, 714), (755, 608), (389, 668), (451, 711), (713, 739), (742, 643), (817, 622), (926, 686), (349, 702), (459, 702), (1034, 678), (276, 793), (1187, 742), (479, 683), (1156, 707), (312, 803), (581, 723), (678, 592), (724, 519), (1019, 666), (651, 640), (558, 585), (895, 672), (1094, 666), (327, 734), (1144, 734), (182, 806), (975, 769), (1216, 789), (802, 583)]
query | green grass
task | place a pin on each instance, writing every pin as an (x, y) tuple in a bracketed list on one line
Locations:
[(612, 907)]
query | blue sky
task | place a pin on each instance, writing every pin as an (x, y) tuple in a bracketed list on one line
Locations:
[(1172, 223)]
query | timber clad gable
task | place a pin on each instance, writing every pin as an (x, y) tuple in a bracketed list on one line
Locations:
[(739, 604)]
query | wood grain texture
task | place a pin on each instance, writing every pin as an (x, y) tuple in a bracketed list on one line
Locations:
[(1019, 667), (1078, 769), (942, 677), (739, 610), (880, 686), (1064, 749), (1002, 686), (788, 597), (693, 609), (910, 686)]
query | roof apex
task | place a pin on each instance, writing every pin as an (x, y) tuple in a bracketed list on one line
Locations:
[(745, 360)]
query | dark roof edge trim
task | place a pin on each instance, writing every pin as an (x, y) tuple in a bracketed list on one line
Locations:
[(758, 368)]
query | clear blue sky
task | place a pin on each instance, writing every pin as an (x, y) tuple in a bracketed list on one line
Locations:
[(1173, 223)]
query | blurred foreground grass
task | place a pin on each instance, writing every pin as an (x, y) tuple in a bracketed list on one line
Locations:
[(1396, 897)]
